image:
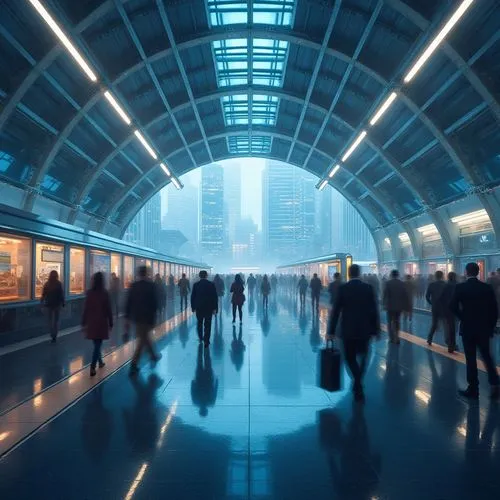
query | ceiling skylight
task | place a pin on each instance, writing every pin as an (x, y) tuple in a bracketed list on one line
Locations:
[(264, 109), (235, 109), (243, 145), (277, 12), (222, 12), (231, 59)]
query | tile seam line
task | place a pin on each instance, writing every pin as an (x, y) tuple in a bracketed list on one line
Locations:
[(66, 377)]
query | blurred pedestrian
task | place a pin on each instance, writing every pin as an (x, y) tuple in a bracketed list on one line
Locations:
[(433, 296), (395, 300), (265, 289), (238, 297), (411, 290), (333, 287), (184, 289), (302, 286), (115, 290), (316, 287), (52, 300)]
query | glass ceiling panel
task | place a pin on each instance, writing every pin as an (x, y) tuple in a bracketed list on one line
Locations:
[(277, 12), (6, 161), (241, 144), (264, 109)]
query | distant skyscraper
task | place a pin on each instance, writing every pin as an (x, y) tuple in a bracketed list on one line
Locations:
[(145, 228), (212, 210), (288, 211), (356, 236), (183, 211), (232, 199), (324, 221)]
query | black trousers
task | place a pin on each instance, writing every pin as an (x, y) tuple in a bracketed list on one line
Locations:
[(436, 318), (354, 348), (451, 336), (265, 300), (393, 325), (204, 325), (471, 346), (184, 301), (315, 300), (240, 311)]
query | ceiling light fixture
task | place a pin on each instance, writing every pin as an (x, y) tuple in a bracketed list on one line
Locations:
[(64, 39), (383, 108), (147, 147), (438, 39), (322, 185), (334, 170), (165, 169), (175, 182), (117, 107), (354, 145)]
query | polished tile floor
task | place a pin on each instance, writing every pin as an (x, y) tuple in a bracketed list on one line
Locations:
[(245, 419)]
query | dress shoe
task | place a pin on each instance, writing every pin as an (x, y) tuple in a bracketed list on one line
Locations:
[(429, 341), (102, 364), (92, 371), (469, 393)]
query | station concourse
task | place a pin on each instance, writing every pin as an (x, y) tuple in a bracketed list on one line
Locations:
[(393, 103)]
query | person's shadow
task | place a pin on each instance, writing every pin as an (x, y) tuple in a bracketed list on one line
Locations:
[(97, 425), (265, 324), (251, 304), (218, 338), (302, 321), (184, 329), (237, 348), (354, 467), (142, 420), (205, 384), (315, 337)]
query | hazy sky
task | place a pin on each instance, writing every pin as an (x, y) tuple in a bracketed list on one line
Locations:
[(251, 186)]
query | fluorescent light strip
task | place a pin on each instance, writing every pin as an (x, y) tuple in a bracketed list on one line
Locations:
[(427, 229), (355, 144), (383, 108), (438, 39), (175, 182), (335, 169), (117, 107), (64, 39), (322, 185), (147, 147), (165, 169), (478, 214)]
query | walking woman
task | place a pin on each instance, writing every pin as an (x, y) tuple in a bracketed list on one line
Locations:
[(53, 300), (97, 318), (265, 289), (238, 298)]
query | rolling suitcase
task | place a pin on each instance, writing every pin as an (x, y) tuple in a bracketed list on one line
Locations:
[(329, 368)]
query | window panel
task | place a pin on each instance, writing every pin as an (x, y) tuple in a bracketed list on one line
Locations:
[(15, 268), (48, 257), (128, 271), (116, 264), (76, 271), (99, 261)]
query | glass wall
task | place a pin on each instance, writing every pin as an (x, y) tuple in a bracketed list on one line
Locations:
[(49, 257), (128, 271), (156, 267), (76, 271), (15, 268), (116, 264), (99, 261)]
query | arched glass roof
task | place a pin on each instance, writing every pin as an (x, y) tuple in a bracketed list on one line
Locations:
[(394, 103)]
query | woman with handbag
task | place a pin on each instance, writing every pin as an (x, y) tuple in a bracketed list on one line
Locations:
[(97, 318), (238, 297)]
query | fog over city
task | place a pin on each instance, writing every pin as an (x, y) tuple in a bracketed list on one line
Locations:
[(250, 214)]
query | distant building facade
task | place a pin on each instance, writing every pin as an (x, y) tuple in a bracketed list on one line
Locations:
[(144, 230), (212, 210)]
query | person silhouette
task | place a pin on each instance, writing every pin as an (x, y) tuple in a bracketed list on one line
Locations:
[(205, 384)]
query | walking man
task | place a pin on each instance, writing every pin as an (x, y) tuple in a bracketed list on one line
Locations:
[(205, 303), (141, 308), (434, 297), (184, 289), (475, 306), (316, 287), (302, 287), (360, 321), (395, 302)]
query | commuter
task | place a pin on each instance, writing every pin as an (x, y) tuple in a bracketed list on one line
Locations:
[(115, 291), (333, 287), (449, 318), (395, 301), (410, 292), (433, 296), (205, 303), (140, 309), (170, 288), (251, 283), (184, 289), (475, 306), (238, 298), (316, 287), (302, 287), (97, 319), (52, 300), (356, 303), (160, 292), (274, 283), (220, 288), (492, 278), (265, 289)]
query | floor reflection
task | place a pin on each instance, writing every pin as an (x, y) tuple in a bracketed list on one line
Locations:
[(205, 384)]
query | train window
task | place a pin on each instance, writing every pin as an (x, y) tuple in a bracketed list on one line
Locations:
[(143, 262), (76, 271), (156, 267), (116, 264), (15, 268), (128, 271), (99, 261), (163, 270), (49, 257)]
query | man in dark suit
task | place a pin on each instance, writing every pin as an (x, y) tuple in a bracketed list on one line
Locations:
[(475, 306), (205, 302), (434, 297), (360, 321), (395, 301)]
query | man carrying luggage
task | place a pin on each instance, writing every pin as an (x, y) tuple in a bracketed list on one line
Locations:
[(360, 321)]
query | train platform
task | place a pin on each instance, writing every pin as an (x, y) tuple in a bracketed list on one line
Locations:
[(245, 419)]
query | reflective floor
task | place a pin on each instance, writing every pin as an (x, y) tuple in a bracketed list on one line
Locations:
[(245, 419)]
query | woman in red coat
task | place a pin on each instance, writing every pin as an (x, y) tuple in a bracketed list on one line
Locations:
[(97, 318)]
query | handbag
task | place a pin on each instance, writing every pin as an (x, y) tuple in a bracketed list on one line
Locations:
[(329, 369)]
